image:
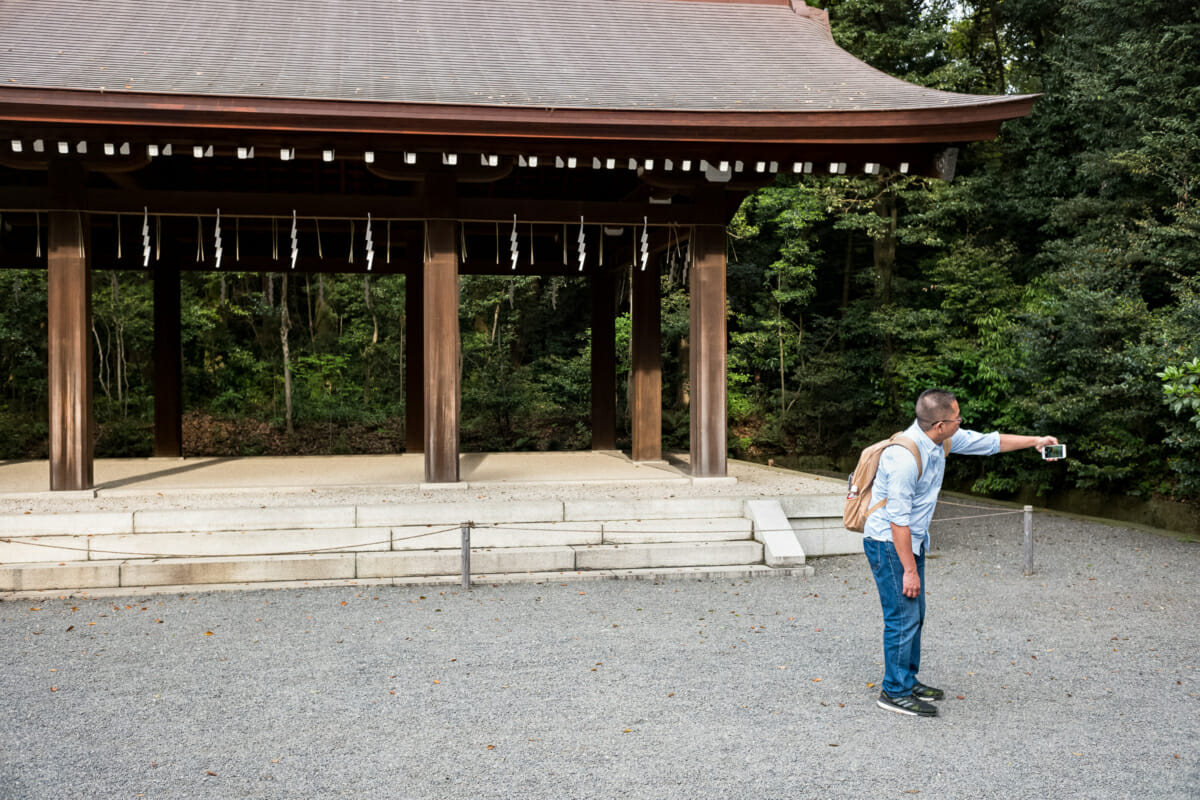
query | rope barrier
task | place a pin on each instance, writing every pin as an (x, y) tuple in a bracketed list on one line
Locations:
[(965, 505), (509, 528), (465, 529), (978, 516), (25, 541)]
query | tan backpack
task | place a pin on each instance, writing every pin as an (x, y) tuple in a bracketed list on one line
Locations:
[(858, 499)]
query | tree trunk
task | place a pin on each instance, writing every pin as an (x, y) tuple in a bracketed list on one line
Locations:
[(847, 272), (312, 331), (374, 341), (885, 250), (285, 324), (885, 265), (782, 371)]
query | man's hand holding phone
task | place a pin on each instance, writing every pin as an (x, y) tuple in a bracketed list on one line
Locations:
[(1054, 452)]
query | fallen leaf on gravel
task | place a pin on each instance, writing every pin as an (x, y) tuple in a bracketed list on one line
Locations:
[(208, 633), (870, 686), (816, 680), (210, 772), (491, 747), (54, 688), (70, 627)]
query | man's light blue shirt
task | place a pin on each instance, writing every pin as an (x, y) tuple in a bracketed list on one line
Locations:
[(910, 501)]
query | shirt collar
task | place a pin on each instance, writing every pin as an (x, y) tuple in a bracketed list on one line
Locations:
[(922, 439)]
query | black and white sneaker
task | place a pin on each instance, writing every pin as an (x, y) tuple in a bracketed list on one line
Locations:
[(923, 692), (907, 705)]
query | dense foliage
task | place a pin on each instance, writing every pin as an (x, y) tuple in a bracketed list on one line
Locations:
[(1054, 285)]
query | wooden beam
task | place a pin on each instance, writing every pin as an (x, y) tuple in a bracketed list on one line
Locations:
[(168, 364), (604, 362), (646, 369), (707, 357), (442, 369), (333, 206), (69, 327)]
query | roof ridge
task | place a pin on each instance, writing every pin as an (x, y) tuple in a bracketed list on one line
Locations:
[(818, 15)]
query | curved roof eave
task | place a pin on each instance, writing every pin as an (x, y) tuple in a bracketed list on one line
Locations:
[(32, 107)]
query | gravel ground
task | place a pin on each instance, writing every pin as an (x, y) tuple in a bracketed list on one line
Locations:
[(1078, 682)]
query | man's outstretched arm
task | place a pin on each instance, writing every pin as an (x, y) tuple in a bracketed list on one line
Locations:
[(1011, 441)]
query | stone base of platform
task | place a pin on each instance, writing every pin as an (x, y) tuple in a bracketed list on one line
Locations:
[(594, 534), (656, 575)]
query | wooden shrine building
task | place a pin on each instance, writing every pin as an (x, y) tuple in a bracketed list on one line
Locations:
[(436, 138)]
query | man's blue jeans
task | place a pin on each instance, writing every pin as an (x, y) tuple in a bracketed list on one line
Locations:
[(903, 617)]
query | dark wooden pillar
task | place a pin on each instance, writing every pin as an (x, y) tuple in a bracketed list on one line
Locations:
[(645, 405), (414, 362), (168, 363), (604, 362), (69, 323), (442, 368), (707, 340)]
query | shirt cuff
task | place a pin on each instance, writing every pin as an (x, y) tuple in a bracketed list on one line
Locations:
[(899, 516)]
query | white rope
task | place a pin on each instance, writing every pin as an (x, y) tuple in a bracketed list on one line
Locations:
[(977, 516), (966, 505), (336, 548)]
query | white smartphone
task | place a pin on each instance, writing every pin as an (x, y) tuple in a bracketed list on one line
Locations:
[(1054, 451)]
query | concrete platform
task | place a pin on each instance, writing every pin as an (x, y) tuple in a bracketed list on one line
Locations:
[(115, 477), (218, 521)]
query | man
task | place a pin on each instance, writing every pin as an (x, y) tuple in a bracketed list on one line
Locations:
[(896, 537)]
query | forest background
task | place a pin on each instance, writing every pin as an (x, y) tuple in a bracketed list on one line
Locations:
[(1054, 286)]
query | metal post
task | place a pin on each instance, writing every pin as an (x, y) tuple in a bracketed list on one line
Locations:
[(466, 555), (1028, 548)]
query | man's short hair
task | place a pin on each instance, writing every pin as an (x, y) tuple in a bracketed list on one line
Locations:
[(934, 405)]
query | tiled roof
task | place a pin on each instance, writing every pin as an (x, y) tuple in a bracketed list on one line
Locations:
[(577, 54)]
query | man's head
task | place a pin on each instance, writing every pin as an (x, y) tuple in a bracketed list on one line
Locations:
[(938, 414)]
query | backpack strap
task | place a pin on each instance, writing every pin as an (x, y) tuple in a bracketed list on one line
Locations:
[(908, 444), (911, 446)]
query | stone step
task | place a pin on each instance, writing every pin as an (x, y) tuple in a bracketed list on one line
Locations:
[(483, 512), (656, 574), (648, 531), (373, 565), (642, 509), (197, 544), (670, 554)]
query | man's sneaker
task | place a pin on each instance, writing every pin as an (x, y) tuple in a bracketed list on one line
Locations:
[(927, 692), (907, 705)]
